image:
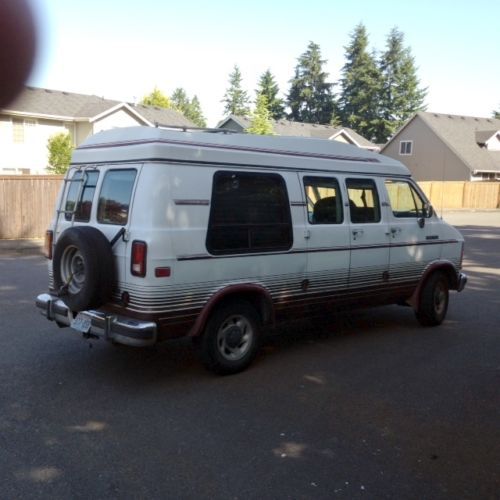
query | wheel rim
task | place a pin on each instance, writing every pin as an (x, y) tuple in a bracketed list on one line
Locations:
[(440, 298), (73, 269), (235, 337)]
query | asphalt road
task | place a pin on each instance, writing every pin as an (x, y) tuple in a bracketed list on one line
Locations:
[(368, 406)]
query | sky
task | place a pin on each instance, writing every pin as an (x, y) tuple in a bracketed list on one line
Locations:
[(122, 49)]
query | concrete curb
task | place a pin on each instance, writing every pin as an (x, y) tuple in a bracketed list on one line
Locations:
[(34, 246)]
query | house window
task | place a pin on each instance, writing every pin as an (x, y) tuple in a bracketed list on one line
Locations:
[(363, 201), (22, 130), (250, 212), (405, 148), (18, 131), (324, 201)]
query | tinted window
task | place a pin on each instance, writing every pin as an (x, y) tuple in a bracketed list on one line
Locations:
[(405, 201), (363, 201), (82, 187), (324, 202), (114, 199), (249, 213)]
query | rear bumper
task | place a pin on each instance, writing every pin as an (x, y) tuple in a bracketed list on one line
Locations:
[(112, 327), (462, 281)]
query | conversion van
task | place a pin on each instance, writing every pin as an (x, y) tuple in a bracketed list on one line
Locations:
[(159, 234)]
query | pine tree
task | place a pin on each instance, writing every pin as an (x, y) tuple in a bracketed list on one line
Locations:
[(157, 98), (261, 118), (236, 99), (190, 108), (360, 86), (180, 100), (269, 88), (496, 114), (400, 95), (310, 97), (195, 114)]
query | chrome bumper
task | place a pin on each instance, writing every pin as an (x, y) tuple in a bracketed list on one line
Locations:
[(112, 327), (462, 281)]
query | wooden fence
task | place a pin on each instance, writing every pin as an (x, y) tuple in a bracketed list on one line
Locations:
[(461, 194), (27, 201), (27, 204)]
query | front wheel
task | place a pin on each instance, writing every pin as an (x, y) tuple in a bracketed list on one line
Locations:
[(433, 301), (231, 339)]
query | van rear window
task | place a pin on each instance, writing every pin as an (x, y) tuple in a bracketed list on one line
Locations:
[(115, 195), (82, 186), (250, 212)]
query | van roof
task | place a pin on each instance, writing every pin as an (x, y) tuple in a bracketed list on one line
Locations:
[(140, 144)]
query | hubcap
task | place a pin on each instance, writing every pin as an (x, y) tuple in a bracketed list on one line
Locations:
[(439, 299), (73, 269), (235, 337)]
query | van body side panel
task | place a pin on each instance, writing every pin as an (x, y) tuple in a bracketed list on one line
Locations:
[(328, 247)]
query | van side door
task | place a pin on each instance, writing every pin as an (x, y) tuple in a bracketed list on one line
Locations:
[(369, 238), (328, 239), (415, 235)]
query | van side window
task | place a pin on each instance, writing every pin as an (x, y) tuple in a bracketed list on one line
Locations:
[(364, 203), (83, 205), (324, 202), (114, 199), (405, 200), (250, 212)]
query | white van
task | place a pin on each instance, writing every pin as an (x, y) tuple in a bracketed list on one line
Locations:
[(160, 234)]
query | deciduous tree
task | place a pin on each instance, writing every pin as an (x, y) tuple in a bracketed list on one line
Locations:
[(157, 98), (261, 118), (60, 147)]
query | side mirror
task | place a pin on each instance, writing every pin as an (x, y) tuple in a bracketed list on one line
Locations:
[(428, 210)]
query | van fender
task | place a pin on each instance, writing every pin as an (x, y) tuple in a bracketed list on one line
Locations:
[(257, 295), (444, 266)]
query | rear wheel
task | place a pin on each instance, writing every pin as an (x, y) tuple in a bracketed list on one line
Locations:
[(231, 339), (433, 301)]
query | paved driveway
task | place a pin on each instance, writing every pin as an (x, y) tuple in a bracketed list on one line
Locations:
[(369, 406)]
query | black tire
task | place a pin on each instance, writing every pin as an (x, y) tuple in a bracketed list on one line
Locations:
[(433, 301), (83, 267), (231, 339)]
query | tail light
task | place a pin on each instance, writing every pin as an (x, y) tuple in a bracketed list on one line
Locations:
[(139, 254), (47, 245)]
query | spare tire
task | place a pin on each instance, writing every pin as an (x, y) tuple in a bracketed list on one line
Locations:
[(83, 268)]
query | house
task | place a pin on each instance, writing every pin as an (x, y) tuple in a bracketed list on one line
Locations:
[(441, 147), (298, 129), (29, 121)]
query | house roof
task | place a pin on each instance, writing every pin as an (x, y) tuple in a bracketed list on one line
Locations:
[(482, 136), (81, 107), (461, 134), (298, 129)]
